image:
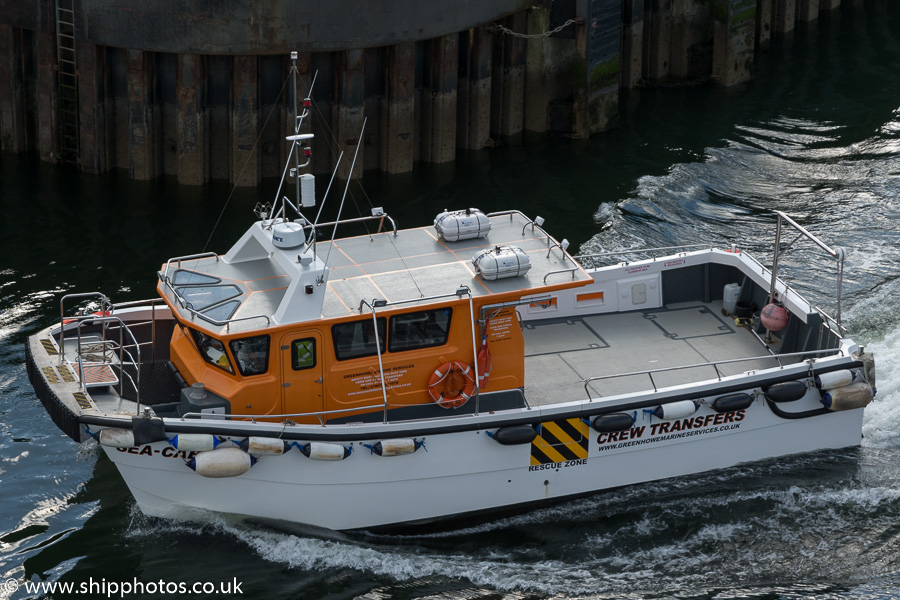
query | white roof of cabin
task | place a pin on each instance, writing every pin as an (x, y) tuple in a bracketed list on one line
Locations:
[(414, 264)]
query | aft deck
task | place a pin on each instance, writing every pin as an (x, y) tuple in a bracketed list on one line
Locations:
[(560, 354)]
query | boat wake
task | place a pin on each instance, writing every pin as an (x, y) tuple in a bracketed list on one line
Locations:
[(815, 519)]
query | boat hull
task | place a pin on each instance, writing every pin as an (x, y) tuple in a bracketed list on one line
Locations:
[(468, 472)]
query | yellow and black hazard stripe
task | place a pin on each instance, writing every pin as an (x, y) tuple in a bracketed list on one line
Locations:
[(66, 374), (559, 441), (82, 400), (49, 347), (50, 375)]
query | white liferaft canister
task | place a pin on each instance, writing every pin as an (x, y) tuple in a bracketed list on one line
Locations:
[(730, 297), (457, 225), (500, 262)]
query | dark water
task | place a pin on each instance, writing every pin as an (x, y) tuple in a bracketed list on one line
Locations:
[(817, 134)]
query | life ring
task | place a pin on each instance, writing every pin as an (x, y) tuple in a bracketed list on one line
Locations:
[(451, 384), (97, 313)]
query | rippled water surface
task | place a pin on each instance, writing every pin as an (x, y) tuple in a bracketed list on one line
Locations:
[(816, 134)]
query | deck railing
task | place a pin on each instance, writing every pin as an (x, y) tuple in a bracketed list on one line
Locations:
[(648, 252), (837, 254), (109, 322), (186, 305), (714, 364), (120, 346)]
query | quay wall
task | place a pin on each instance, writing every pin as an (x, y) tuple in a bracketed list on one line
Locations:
[(195, 88)]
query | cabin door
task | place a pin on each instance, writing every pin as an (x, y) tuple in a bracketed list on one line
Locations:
[(303, 389)]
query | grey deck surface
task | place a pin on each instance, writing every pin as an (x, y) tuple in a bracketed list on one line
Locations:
[(412, 265), (561, 354), (416, 263)]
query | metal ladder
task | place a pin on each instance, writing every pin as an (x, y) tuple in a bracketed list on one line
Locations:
[(67, 80)]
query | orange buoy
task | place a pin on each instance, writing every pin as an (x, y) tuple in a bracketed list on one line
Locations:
[(774, 317), (451, 384)]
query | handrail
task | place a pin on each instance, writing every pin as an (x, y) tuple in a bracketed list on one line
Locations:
[(838, 254), (573, 270), (227, 323), (105, 319), (149, 302), (105, 305), (713, 364), (460, 291), (178, 259), (185, 305), (682, 248), (287, 415), (829, 320), (474, 346), (152, 304), (378, 353), (503, 213), (378, 217)]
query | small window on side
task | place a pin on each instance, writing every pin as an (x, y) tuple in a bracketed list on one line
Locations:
[(251, 354), (212, 350), (357, 338), (303, 354), (421, 329)]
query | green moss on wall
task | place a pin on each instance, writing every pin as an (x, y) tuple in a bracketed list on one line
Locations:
[(605, 74)]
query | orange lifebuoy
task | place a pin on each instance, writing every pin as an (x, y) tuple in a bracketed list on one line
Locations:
[(97, 313), (451, 384)]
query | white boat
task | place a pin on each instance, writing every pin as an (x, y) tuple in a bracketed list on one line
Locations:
[(438, 372)]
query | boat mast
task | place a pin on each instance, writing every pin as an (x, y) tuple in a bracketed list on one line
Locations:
[(298, 119)]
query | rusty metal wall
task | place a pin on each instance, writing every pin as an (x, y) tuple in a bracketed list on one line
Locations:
[(242, 27), (193, 88)]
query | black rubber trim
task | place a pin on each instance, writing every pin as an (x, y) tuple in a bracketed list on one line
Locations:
[(65, 419), (348, 435), (798, 415)]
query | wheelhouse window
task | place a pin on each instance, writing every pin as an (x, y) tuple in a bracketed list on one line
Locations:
[(357, 339), (212, 350), (251, 354), (422, 329), (303, 354)]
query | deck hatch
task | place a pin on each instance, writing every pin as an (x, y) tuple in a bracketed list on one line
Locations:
[(684, 323), (564, 335)]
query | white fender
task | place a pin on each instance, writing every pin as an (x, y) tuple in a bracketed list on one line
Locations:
[(224, 462), (118, 438), (325, 451), (835, 379), (855, 395), (263, 445), (397, 447), (194, 442), (675, 410)]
